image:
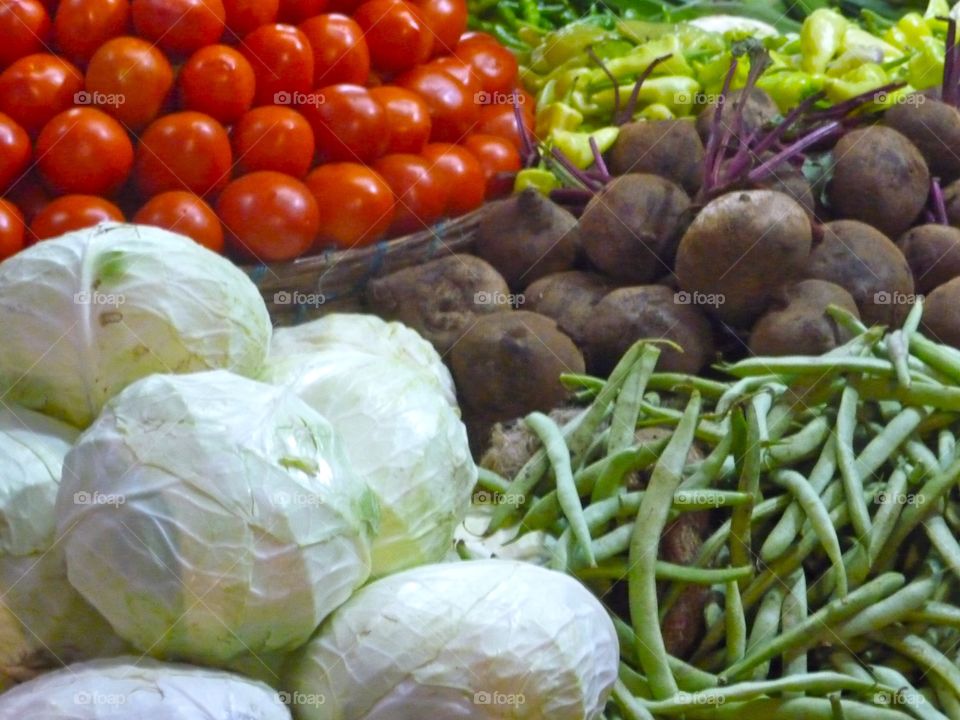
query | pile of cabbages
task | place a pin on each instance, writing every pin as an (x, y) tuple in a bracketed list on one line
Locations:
[(202, 517)]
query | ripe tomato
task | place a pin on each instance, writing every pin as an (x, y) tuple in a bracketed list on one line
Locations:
[(296, 11), (453, 111), (12, 229), (219, 81), (183, 212), (179, 26), (407, 115), (499, 160), (36, 88), (81, 26), (129, 79), (24, 29), (418, 189), (273, 138), (183, 151), (269, 217), (15, 152), (73, 212), (460, 70), (494, 64), (446, 20), (501, 120), (344, 7), (356, 205), (348, 124), (461, 177), (245, 16), (282, 61), (84, 150), (340, 54), (395, 33)]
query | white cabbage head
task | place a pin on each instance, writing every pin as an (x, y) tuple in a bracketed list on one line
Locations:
[(473, 640), (84, 315), (208, 515), (131, 688)]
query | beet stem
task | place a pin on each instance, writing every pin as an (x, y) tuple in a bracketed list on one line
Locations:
[(948, 92), (768, 168), (847, 106), (579, 175), (606, 71), (602, 174), (531, 155), (627, 113), (939, 204), (716, 138), (773, 137)]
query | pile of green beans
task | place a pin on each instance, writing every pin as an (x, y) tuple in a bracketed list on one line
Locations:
[(833, 564)]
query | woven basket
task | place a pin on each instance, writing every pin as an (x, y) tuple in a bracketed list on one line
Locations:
[(334, 281)]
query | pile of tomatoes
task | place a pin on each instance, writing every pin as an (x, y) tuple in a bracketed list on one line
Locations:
[(267, 128)]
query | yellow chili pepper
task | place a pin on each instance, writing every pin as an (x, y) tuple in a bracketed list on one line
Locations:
[(541, 180), (576, 145), (865, 78), (820, 39)]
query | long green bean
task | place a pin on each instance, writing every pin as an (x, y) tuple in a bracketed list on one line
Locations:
[(794, 613), (905, 694), (924, 655), (749, 483), (891, 609), (805, 708), (945, 543), (809, 365), (765, 625), (935, 613), (852, 481), (626, 408), (736, 623), (799, 446)]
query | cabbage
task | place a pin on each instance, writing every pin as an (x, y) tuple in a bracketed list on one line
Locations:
[(474, 640), (130, 688), (208, 515), (85, 315), (400, 434)]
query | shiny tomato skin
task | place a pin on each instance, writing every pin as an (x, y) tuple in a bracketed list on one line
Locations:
[(501, 120), (245, 16), (72, 212), (498, 158), (24, 29), (218, 81), (37, 87), (396, 35), (463, 179), (356, 205), (340, 52), (12, 230), (179, 27), (282, 62), (82, 26), (269, 217), (273, 138), (407, 116), (418, 189), (460, 70), (446, 20), (130, 79), (496, 66), (183, 151), (295, 12), (84, 151), (16, 152), (348, 124), (453, 111), (183, 212)]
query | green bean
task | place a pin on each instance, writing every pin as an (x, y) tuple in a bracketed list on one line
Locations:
[(651, 520), (671, 381), (711, 466), (890, 610), (936, 613), (852, 481), (897, 350), (924, 655), (805, 708), (793, 613), (707, 431), (632, 708), (887, 515), (672, 572), (917, 703), (688, 677), (626, 408), (941, 537), (885, 443), (765, 625), (634, 681), (739, 390), (923, 456), (799, 446), (749, 483), (922, 393), (846, 663), (852, 324), (942, 358), (949, 700), (808, 365), (736, 623), (616, 467), (489, 480), (809, 632), (946, 448)]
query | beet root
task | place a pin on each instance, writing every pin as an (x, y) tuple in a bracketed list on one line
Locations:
[(759, 110), (941, 321), (934, 128), (671, 149), (797, 322), (933, 253), (569, 298)]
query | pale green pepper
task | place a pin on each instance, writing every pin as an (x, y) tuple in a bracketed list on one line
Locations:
[(711, 75), (789, 89), (862, 79), (566, 43), (852, 59), (908, 32), (556, 116), (678, 94), (925, 69), (858, 37), (657, 111), (576, 145), (539, 179), (821, 37)]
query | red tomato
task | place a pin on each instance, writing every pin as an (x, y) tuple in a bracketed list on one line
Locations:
[(446, 20), (30, 195), (84, 150), (344, 7), (453, 111), (348, 124), (461, 176), (269, 217), (129, 79), (494, 64), (340, 54), (15, 152), (81, 26), (461, 71), (73, 212), (245, 16), (185, 213), (356, 205), (501, 120), (420, 196), (499, 160), (273, 138), (296, 11), (183, 151), (407, 115), (12, 229), (179, 26), (24, 29), (396, 35), (36, 88), (282, 61), (219, 81)]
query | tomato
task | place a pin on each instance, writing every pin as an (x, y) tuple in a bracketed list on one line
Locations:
[(408, 117), (84, 150), (24, 29), (183, 151), (12, 229), (245, 16), (348, 124), (417, 187), (343, 7), (499, 160), (179, 26), (30, 195), (501, 120), (282, 61), (356, 205), (340, 54), (453, 111), (73, 212), (15, 152), (296, 11), (219, 81), (269, 217), (396, 35), (494, 64), (462, 178), (446, 20), (460, 70), (81, 26), (185, 213), (273, 138), (129, 79), (36, 88)]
